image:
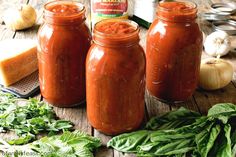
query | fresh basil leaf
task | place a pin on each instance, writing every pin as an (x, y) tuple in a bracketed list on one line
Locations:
[(75, 143), (80, 139), (129, 142), (20, 117), (222, 108), (63, 124), (222, 111), (22, 140), (233, 143), (206, 139), (83, 153), (169, 135), (170, 148), (195, 153), (10, 118), (225, 147), (173, 119), (149, 148), (195, 127)]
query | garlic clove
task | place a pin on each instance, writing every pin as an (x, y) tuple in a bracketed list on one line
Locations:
[(217, 44)]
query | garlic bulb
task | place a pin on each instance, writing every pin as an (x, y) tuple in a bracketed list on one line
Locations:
[(217, 44), (19, 19), (215, 74)]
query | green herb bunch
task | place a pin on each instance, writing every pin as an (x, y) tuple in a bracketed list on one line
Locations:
[(28, 118), (68, 144), (183, 133)]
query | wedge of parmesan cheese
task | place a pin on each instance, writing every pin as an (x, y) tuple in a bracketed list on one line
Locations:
[(18, 59)]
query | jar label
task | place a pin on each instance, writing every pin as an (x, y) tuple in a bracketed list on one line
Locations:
[(110, 8), (102, 9)]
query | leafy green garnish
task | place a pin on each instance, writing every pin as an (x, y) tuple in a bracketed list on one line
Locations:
[(183, 133), (225, 147), (222, 111), (173, 119), (206, 138), (28, 118), (69, 144), (233, 143), (128, 142)]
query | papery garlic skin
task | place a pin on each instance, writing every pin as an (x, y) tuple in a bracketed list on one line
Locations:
[(19, 19), (215, 74), (217, 44)]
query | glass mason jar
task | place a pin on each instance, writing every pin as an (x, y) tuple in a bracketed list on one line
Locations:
[(64, 40), (173, 51), (115, 77)]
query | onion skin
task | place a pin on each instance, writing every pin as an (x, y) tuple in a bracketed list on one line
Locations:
[(215, 74)]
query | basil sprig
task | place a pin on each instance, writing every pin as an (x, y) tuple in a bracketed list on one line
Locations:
[(28, 118), (183, 133)]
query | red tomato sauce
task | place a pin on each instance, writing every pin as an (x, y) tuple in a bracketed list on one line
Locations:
[(174, 46), (120, 28), (64, 40), (65, 9), (177, 11), (177, 6), (115, 78)]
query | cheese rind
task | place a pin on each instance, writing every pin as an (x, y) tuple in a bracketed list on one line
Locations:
[(17, 61)]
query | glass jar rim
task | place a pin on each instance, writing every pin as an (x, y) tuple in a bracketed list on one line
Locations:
[(192, 4), (78, 16), (170, 13), (116, 36), (113, 40)]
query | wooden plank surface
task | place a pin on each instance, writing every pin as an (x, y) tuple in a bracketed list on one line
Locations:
[(201, 100)]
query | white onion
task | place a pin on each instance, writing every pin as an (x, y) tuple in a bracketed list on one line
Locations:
[(19, 19), (215, 74)]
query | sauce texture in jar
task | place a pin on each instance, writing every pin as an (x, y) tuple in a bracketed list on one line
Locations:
[(115, 77), (174, 46), (64, 40)]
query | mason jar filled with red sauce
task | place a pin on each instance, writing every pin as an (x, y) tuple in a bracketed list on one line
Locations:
[(173, 51), (64, 40), (115, 77)]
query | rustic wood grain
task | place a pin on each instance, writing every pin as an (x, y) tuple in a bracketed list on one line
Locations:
[(206, 99), (190, 104), (104, 151), (119, 154), (76, 115), (155, 107)]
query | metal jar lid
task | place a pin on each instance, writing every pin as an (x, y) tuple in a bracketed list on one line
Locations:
[(214, 17), (223, 8), (228, 26)]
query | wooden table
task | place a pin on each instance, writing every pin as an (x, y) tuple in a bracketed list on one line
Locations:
[(201, 100)]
